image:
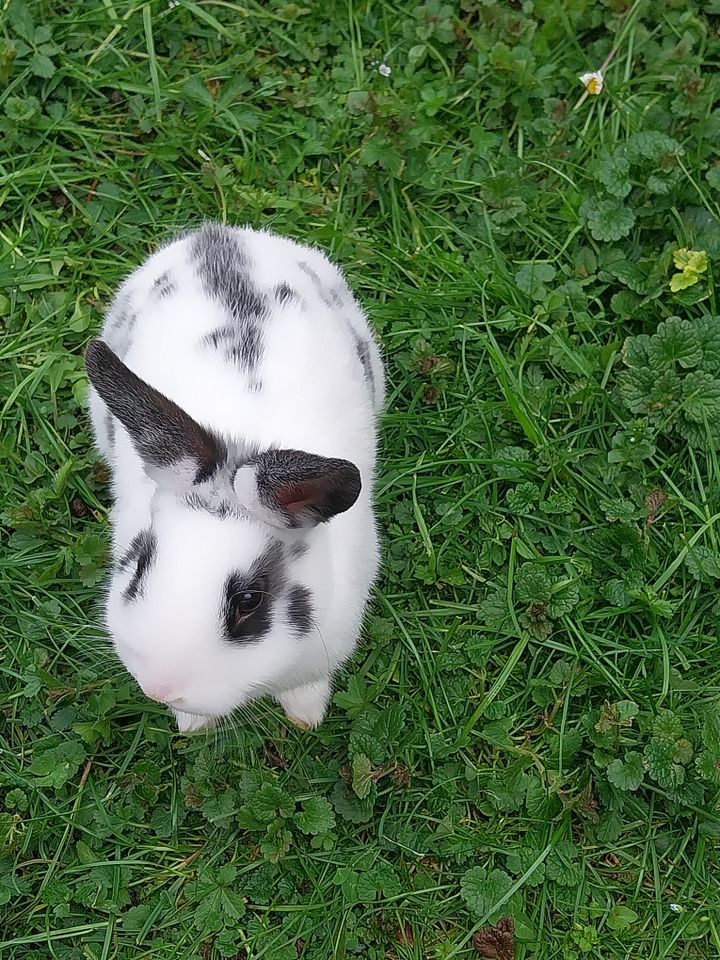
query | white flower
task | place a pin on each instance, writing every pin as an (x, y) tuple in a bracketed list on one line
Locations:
[(384, 69), (593, 82), (676, 908)]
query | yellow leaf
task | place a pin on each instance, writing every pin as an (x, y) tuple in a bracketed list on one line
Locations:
[(680, 281), (690, 261)]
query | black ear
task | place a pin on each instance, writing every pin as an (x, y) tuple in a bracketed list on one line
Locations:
[(304, 489), (176, 450)]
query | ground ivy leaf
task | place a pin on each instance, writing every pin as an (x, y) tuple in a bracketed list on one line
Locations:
[(532, 584), (271, 801), (707, 330), (703, 563), (707, 764), (350, 807), (627, 774), (532, 277), (362, 775), (521, 499), (665, 760), (701, 397), (675, 341), (561, 864), (612, 170), (609, 219), (277, 842), (520, 860), (316, 816), (483, 891)]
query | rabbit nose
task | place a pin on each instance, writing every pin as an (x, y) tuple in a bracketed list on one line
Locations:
[(163, 693)]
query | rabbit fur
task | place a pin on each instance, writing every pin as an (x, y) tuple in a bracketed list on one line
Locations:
[(235, 392)]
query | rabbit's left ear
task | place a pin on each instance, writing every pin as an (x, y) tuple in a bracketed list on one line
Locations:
[(297, 489), (176, 450)]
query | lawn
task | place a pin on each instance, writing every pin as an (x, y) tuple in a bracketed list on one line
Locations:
[(523, 762)]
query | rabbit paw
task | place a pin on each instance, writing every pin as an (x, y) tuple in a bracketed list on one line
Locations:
[(192, 722), (305, 706)]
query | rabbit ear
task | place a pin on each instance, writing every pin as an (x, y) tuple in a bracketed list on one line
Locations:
[(177, 451), (297, 489)]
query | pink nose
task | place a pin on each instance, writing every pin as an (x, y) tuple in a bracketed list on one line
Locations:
[(163, 693)]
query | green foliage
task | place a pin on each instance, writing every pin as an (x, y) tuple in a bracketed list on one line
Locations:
[(672, 377), (485, 892), (535, 703), (608, 219)]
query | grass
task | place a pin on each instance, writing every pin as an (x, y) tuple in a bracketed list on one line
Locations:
[(532, 728)]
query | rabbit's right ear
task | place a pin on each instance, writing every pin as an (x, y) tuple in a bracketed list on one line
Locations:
[(292, 488), (177, 452)]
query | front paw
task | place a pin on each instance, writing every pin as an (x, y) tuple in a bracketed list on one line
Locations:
[(304, 724), (192, 722), (305, 706)]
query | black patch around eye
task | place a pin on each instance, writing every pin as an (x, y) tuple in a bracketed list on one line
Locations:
[(243, 619), (244, 607), (141, 552), (300, 610)]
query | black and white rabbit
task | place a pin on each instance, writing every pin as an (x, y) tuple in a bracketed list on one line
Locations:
[(235, 394)]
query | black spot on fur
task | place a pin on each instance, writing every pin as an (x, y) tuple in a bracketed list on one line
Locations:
[(304, 488), (317, 283), (267, 574), (220, 508), (362, 348), (299, 549), (225, 271), (110, 427), (300, 611), (162, 432), (284, 294), (163, 286), (141, 552), (120, 325)]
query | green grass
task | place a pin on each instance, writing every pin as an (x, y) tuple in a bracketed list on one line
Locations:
[(532, 728)]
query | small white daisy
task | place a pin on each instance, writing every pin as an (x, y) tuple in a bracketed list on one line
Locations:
[(593, 82), (384, 70)]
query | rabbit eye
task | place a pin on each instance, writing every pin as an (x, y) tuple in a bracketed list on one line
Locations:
[(245, 601), (249, 597)]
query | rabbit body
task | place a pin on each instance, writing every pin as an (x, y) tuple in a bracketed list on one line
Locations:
[(235, 393)]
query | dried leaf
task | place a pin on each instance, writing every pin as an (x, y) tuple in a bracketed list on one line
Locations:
[(497, 942)]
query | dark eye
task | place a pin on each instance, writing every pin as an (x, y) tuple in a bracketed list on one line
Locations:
[(245, 601), (248, 601), (247, 608)]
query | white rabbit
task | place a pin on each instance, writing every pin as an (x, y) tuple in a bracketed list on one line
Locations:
[(235, 395)]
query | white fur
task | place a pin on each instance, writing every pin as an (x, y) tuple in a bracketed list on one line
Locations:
[(314, 397)]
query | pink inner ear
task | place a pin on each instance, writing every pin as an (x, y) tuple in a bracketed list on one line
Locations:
[(295, 497)]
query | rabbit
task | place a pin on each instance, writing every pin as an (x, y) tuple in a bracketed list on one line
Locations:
[(235, 392)]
